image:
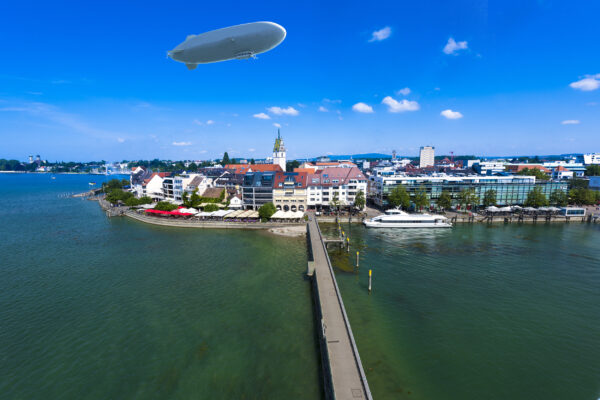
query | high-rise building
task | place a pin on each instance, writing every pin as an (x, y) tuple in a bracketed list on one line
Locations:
[(279, 152), (427, 156)]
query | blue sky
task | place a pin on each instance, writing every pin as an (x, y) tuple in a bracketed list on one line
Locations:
[(90, 80)]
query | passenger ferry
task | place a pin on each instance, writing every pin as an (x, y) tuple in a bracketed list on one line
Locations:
[(399, 219)]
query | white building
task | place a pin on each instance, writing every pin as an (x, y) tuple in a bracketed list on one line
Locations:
[(591, 158), (427, 156), (577, 169), (279, 157), (487, 167), (188, 182), (151, 186), (561, 172), (341, 182)]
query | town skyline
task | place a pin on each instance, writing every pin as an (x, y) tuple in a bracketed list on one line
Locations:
[(467, 77)]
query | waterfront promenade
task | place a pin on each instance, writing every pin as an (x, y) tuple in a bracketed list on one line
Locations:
[(342, 369)]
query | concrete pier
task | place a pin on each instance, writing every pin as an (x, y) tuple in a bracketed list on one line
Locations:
[(342, 369)]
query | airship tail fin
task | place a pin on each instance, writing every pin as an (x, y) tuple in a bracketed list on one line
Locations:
[(191, 66)]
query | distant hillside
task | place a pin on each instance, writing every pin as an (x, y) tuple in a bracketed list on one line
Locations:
[(356, 156)]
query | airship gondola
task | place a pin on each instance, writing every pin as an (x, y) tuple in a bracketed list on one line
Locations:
[(234, 42)]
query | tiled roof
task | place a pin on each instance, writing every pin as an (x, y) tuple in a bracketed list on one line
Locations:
[(240, 169), (325, 177), (213, 193), (265, 167), (300, 178), (307, 170)]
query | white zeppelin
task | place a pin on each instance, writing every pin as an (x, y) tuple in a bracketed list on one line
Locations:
[(234, 42)]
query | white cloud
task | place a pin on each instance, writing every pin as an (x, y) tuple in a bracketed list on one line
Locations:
[(182, 143), (210, 122), (323, 109), (302, 105), (276, 125), (451, 114), (261, 116), (381, 34), (332, 101), (251, 150), (395, 106), (120, 140), (197, 122), (587, 84), (283, 111), (452, 46), (404, 92), (570, 122), (362, 108), (339, 113)]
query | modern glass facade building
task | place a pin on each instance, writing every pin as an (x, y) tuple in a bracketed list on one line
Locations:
[(510, 190)]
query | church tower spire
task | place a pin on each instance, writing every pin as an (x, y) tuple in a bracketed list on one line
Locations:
[(279, 156)]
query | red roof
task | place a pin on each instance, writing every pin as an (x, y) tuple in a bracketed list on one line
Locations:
[(298, 178), (265, 167), (521, 167), (307, 170), (239, 169), (325, 177)]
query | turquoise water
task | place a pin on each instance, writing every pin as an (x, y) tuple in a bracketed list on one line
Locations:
[(98, 308), (476, 312)]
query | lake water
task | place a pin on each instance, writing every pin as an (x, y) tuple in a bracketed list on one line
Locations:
[(98, 308), (476, 312)]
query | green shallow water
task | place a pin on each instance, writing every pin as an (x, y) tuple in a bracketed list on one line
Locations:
[(97, 308), (476, 312)]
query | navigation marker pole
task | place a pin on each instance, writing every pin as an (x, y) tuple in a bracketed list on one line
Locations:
[(369, 281), (357, 259)]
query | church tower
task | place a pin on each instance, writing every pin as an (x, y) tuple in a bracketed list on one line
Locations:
[(279, 151)]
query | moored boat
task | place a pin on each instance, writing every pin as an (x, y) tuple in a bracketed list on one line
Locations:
[(395, 218)]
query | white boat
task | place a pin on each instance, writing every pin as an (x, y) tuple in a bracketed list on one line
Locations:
[(399, 219)]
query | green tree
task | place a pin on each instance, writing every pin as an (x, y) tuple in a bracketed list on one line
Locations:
[(115, 196), (165, 206), (359, 200), (539, 174), (185, 201), (399, 197), (290, 165), (489, 198), (559, 198), (583, 196), (335, 202), (421, 199), (592, 170), (536, 198), (445, 200), (211, 208), (193, 167), (266, 211), (468, 197), (226, 159)]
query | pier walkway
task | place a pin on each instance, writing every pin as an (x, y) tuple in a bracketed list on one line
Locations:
[(342, 369)]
